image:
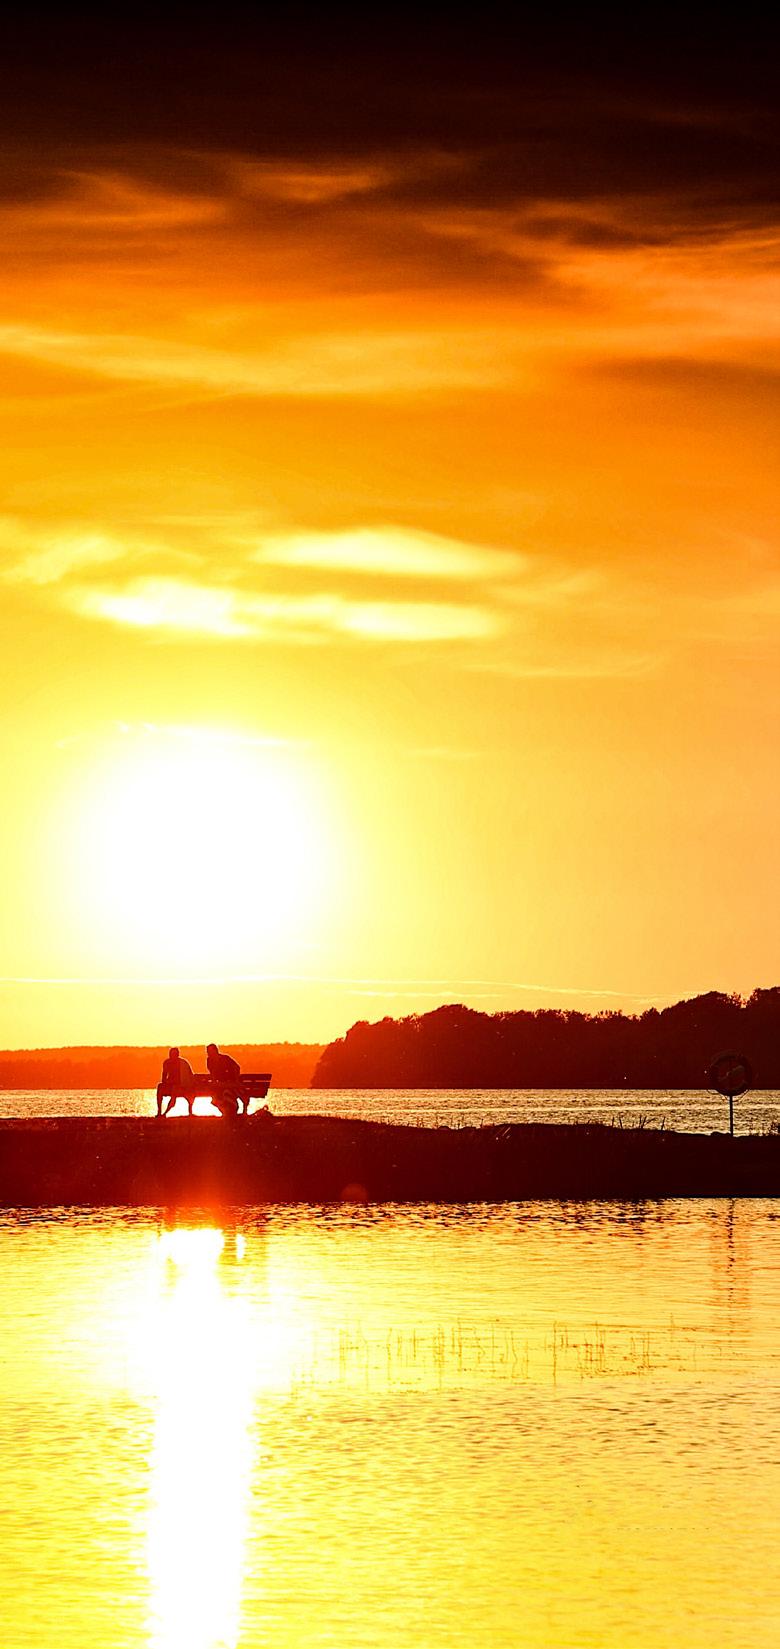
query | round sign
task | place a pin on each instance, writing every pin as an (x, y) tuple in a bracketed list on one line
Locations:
[(731, 1074)]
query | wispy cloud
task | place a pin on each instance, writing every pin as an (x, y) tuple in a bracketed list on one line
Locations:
[(309, 183), (222, 580), (178, 608), (49, 556), (548, 661), (175, 606), (428, 271), (90, 201), (443, 990), (444, 753), (376, 361), (390, 552), (202, 737), (217, 737)]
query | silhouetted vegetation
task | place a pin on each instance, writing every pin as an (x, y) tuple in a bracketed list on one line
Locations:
[(291, 1064), (457, 1047), (207, 1162)]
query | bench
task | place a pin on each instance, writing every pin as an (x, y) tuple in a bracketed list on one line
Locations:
[(249, 1085)]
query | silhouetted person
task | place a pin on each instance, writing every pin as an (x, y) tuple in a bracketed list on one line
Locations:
[(225, 1076), (178, 1081)]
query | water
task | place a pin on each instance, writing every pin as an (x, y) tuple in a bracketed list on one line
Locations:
[(501, 1428), (697, 1110)]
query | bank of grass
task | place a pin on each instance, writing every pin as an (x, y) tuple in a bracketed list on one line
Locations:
[(135, 1161)]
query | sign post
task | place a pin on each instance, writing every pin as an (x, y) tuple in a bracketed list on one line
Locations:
[(731, 1075)]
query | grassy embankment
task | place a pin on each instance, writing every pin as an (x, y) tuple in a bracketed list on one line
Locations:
[(134, 1161)]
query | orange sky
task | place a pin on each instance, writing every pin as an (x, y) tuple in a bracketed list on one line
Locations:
[(391, 592)]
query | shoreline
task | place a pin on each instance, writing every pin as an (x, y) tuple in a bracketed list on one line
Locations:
[(204, 1161), (64, 1085)]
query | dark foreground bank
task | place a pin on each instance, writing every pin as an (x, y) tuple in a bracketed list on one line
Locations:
[(207, 1161)]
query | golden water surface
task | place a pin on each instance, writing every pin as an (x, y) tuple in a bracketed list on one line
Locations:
[(527, 1425)]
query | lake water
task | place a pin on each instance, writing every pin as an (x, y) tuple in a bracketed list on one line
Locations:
[(533, 1425), (696, 1110)]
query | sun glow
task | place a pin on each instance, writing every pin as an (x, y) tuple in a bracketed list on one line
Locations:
[(194, 852), (202, 1453), (217, 1330)]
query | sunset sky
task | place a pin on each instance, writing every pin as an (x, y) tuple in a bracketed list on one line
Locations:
[(388, 532)]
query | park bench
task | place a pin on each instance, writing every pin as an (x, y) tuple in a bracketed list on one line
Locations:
[(249, 1085)]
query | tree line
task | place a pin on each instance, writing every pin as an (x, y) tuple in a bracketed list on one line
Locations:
[(291, 1064), (459, 1047)]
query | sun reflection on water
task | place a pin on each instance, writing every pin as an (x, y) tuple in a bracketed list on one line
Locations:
[(475, 1428), (200, 1346)]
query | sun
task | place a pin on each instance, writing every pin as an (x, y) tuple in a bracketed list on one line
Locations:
[(198, 852)]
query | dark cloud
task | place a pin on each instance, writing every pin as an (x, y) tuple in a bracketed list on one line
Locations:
[(27, 179), (565, 108), (706, 378), (683, 370)]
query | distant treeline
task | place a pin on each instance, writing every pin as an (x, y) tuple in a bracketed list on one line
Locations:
[(456, 1047), (291, 1065)]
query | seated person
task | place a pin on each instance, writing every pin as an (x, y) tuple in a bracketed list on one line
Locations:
[(178, 1080), (227, 1093)]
